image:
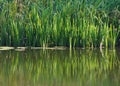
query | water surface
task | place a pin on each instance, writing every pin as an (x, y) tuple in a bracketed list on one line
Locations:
[(60, 68)]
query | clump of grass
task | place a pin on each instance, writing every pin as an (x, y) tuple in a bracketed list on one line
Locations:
[(58, 23)]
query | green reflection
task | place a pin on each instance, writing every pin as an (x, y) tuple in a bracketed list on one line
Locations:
[(60, 68)]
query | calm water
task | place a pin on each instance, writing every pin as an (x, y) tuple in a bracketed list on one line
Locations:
[(60, 68)]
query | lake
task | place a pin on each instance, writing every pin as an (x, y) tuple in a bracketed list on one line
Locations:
[(78, 67)]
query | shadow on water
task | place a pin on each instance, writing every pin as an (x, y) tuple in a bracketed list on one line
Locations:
[(60, 68)]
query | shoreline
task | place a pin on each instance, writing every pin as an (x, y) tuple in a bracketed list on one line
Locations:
[(48, 48)]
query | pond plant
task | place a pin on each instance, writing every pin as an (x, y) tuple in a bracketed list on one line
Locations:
[(71, 23)]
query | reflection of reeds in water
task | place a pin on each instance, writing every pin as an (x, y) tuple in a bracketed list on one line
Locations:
[(59, 67)]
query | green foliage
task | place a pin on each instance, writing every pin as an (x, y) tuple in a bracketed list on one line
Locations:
[(73, 23)]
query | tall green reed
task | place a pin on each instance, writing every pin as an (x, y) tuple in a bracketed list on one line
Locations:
[(57, 23)]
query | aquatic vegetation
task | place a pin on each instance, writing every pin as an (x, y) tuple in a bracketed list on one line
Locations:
[(71, 23)]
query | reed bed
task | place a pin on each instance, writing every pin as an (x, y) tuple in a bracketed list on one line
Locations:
[(70, 23)]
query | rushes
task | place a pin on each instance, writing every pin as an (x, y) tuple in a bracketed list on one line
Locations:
[(54, 23)]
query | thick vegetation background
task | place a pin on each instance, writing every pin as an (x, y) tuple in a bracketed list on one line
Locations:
[(72, 23)]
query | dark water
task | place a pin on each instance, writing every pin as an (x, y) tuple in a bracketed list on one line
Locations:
[(60, 68)]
